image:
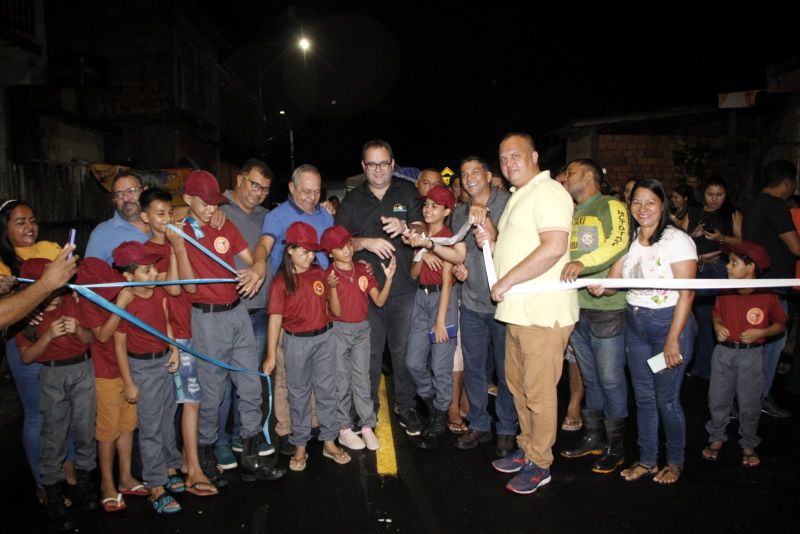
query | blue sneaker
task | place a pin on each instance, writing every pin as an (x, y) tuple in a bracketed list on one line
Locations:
[(225, 458), (531, 478), (264, 448), (512, 463)]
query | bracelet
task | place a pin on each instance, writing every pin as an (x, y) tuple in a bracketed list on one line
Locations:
[(433, 245)]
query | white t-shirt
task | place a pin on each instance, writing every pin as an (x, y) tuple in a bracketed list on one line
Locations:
[(654, 262)]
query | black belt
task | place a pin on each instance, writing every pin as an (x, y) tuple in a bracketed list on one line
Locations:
[(740, 345), (435, 288), (147, 355), (214, 308), (253, 311), (311, 333), (69, 361)]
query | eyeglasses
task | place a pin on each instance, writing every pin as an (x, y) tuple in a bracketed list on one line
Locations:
[(132, 191), (373, 166), (257, 187)]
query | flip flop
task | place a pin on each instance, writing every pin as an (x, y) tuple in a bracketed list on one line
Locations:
[(571, 425), (711, 453), (137, 491), (340, 457), (114, 504), (298, 465), (202, 489), (457, 428), (750, 459)]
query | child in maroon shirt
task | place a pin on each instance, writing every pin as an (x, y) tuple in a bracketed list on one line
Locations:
[(61, 344)]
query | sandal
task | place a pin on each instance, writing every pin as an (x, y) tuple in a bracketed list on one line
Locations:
[(637, 471), (571, 425), (175, 484), (340, 457), (137, 491), (165, 504), (114, 504), (750, 459), (711, 453), (458, 427), (298, 464), (669, 474), (202, 489)]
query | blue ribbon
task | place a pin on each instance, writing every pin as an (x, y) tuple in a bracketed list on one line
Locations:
[(113, 308), (198, 231), (137, 284), (202, 249)]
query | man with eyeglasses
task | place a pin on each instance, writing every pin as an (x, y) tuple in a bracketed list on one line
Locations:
[(376, 213), (303, 205), (246, 212), (125, 225)]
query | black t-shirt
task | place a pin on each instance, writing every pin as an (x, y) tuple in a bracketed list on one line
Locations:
[(361, 211), (764, 220)]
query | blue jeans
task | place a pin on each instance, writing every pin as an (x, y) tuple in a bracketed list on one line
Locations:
[(259, 322), (772, 354), (657, 395), (483, 339), (602, 365), (703, 308), (26, 380)]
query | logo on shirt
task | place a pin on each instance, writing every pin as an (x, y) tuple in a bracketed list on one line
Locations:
[(587, 236), (363, 283), (399, 208), (319, 289), (755, 316), (221, 245)]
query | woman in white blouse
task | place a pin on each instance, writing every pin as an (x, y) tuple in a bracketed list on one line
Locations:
[(657, 321)]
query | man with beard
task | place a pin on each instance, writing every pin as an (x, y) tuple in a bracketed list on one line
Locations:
[(125, 225)]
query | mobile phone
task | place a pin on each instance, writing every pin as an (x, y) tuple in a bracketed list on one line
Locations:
[(709, 228), (71, 239), (451, 333)]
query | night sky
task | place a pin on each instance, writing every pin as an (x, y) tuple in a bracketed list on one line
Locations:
[(441, 84)]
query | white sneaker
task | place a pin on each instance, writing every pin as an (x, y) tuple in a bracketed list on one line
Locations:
[(349, 439), (370, 440)]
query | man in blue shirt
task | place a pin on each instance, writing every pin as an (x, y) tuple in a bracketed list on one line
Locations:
[(125, 225)]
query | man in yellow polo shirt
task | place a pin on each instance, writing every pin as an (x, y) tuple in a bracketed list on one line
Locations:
[(532, 246)]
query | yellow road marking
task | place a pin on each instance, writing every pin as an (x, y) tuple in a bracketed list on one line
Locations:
[(386, 458)]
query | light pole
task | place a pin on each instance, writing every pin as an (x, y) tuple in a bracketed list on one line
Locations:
[(291, 140)]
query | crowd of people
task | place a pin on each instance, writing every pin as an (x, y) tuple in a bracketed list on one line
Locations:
[(319, 291)]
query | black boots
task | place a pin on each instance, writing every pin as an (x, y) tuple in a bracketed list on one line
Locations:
[(435, 430), (614, 453), (60, 518), (253, 466), (84, 491), (208, 463), (592, 441)]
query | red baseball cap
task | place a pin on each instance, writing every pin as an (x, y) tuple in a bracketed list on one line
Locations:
[(442, 196), (33, 268), (203, 184), (96, 271), (754, 251), (302, 234), (133, 253), (334, 237)]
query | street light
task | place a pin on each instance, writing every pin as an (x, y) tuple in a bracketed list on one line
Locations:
[(291, 140)]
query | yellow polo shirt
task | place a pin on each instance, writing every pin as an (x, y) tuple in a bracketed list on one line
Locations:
[(541, 205), (40, 249)]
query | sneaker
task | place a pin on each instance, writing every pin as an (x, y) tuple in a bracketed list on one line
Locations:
[(411, 422), (264, 448), (472, 439), (492, 390), (236, 445), (769, 407), (506, 443), (370, 439), (512, 463), (225, 458), (531, 478), (347, 438)]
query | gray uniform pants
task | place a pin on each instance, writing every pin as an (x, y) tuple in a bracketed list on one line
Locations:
[(226, 336), (155, 411), (735, 372), (68, 404), (437, 382), (352, 373), (311, 361)]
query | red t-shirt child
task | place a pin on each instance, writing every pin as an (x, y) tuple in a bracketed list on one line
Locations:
[(63, 347), (353, 290), (427, 276), (180, 307), (151, 311), (306, 309), (738, 312), (105, 363), (226, 243)]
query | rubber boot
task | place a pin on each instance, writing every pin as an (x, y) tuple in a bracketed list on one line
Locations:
[(208, 463), (253, 466), (434, 433), (614, 453), (60, 518), (592, 441), (85, 491)]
